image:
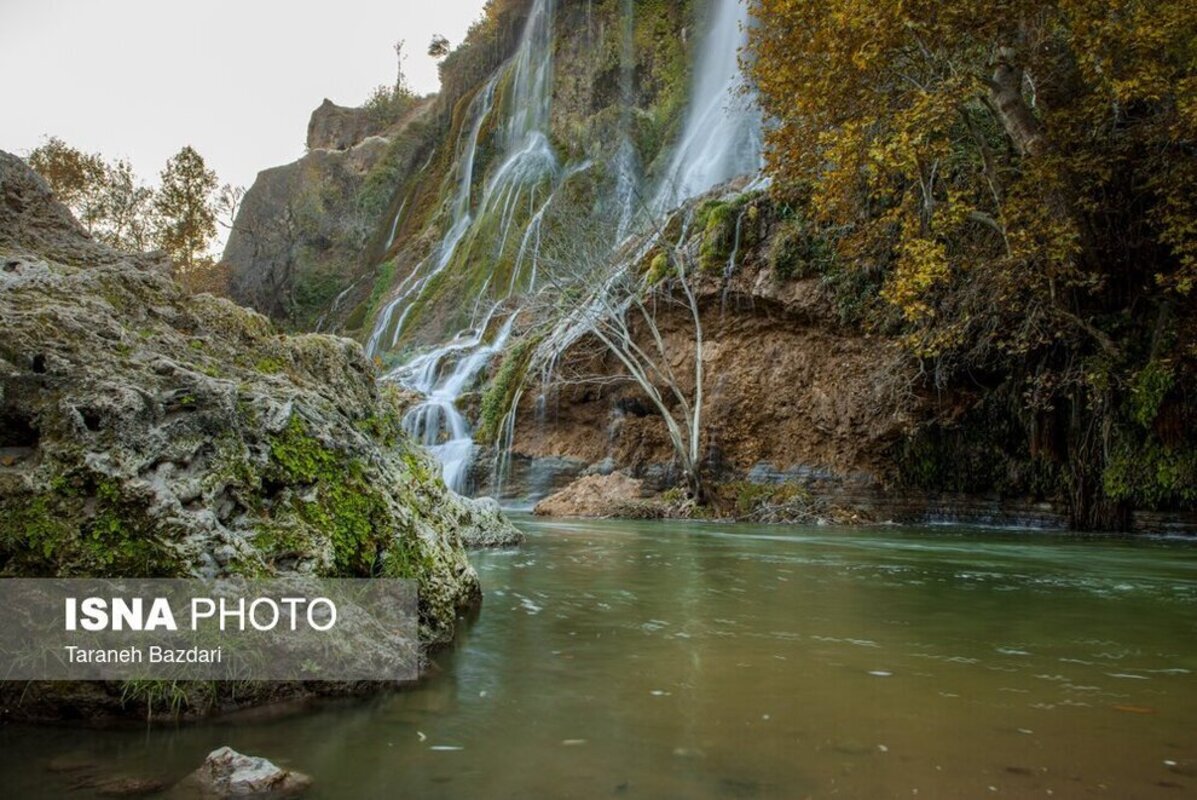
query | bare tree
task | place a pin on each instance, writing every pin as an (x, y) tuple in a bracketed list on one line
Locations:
[(620, 308), (228, 203), (400, 78)]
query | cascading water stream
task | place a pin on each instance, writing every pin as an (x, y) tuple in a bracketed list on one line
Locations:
[(722, 135), (395, 224), (529, 160), (408, 291), (441, 375), (528, 163), (730, 269)]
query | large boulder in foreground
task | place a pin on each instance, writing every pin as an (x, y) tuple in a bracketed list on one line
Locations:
[(145, 432)]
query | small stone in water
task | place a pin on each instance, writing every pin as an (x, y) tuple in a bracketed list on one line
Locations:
[(687, 752)]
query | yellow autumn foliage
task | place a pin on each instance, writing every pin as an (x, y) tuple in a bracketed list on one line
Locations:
[(1013, 165)]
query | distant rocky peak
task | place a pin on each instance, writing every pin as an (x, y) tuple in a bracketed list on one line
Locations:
[(334, 127)]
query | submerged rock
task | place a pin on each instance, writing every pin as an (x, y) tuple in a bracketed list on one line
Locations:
[(591, 496), (128, 786), (226, 773), (145, 432), (87, 771)]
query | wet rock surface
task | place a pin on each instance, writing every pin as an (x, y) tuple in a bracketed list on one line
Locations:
[(483, 524), (226, 773)]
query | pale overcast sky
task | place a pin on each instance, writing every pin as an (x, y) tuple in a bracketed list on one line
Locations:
[(236, 79)]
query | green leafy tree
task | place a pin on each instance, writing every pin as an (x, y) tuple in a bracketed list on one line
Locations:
[(185, 221), (127, 209)]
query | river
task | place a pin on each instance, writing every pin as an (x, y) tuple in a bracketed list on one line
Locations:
[(693, 660)]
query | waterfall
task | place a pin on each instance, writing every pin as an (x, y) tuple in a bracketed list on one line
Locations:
[(528, 163), (395, 224), (441, 375), (499, 226), (531, 88), (722, 135), (730, 269), (459, 221)]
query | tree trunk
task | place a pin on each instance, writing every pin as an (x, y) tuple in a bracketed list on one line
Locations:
[(1005, 93)]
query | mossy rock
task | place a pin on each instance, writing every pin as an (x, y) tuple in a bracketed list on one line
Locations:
[(145, 432)]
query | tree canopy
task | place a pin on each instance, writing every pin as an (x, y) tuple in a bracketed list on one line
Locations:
[(1022, 175)]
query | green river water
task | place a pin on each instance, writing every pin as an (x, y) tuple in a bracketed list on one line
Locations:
[(684, 660)]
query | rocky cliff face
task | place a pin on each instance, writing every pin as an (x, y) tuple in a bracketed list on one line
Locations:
[(554, 154), (297, 248), (574, 124), (809, 415), (785, 397), (148, 433)]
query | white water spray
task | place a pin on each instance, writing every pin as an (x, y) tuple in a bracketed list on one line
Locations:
[(721, 140)]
